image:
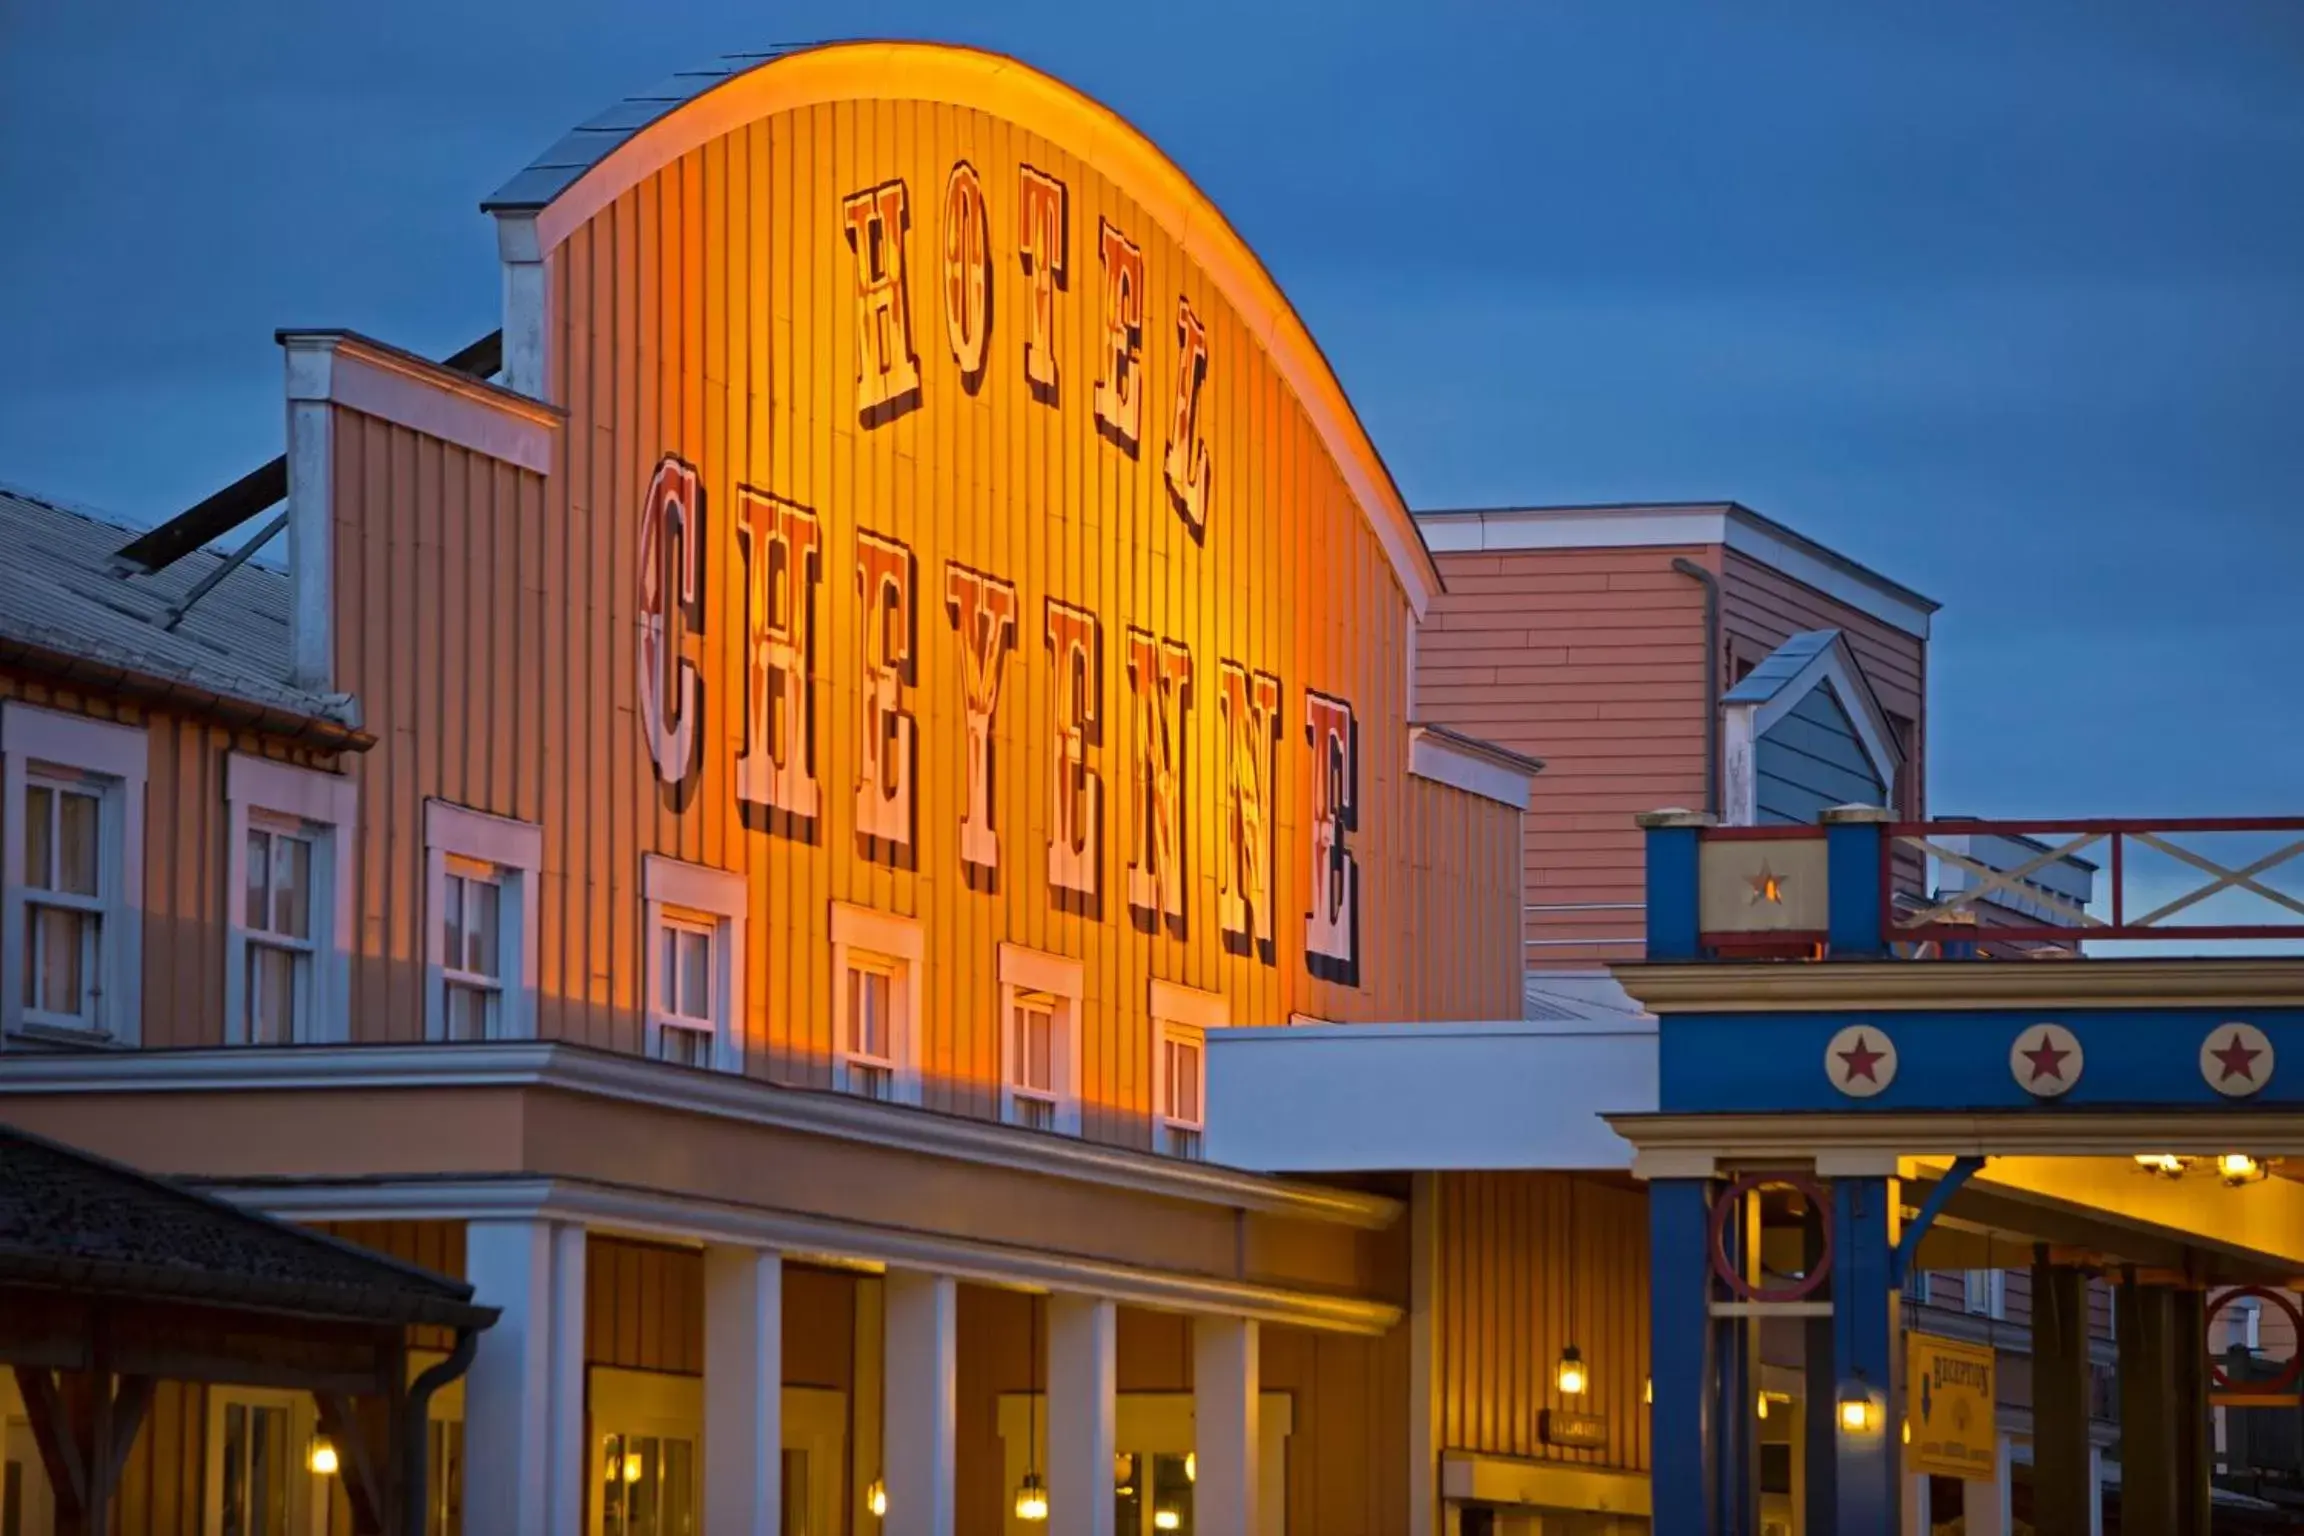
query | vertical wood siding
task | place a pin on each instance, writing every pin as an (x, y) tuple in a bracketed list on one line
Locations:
[(1592, 660), (489, 621), (1810, 761), (1527, 1264), (185, 858)]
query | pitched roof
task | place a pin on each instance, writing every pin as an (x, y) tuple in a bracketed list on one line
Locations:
[(70, 1220), (1781, 667), (61, 594)]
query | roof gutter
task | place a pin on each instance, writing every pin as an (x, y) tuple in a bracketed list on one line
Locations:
[(190, 698), (416, 1431)]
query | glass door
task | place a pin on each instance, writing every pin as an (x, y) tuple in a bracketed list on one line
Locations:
[(648, 1485)]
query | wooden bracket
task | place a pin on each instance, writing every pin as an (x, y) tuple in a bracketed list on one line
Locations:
[(341, 1424)]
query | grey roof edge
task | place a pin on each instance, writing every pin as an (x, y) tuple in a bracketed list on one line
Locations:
[(1481, 747), (429, 367), (442, 1298), (1730, 508)]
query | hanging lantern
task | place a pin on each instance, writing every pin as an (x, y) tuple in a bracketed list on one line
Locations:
[(321, 1459), (1166, 1520), (1571, 1375), (1031, 1498), (876, 1498), (1856, 1414)]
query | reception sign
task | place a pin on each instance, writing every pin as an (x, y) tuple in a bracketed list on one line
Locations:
[(1949, 1396)]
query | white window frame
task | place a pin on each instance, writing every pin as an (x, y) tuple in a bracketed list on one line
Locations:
[(323, 808), (2244, 1324), (307, 1492), (118, 759), (722, 899), (885, 941), (1988, 1286), (513, 852), (1062, 980), (1182, 1013)]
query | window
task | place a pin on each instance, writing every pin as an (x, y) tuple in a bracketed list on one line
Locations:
[(259, 1480), (1181, 1017), (1039, 1043), (287, 978), (73, 871), (1987, 1293), (876, 1003), (481, 874), (2244, 1325), (695, 964)]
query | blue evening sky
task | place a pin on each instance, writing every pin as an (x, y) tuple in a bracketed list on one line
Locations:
[(2004, 299)]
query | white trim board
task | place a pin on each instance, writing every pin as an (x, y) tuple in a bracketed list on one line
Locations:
[(384, 382), (1433, 756), (807, 1239), (1656, 527)]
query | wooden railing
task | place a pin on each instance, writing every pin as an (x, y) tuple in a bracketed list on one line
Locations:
[(2249, 905)]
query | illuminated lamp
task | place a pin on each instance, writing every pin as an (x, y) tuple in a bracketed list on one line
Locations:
[(1031, 1499), (322, 1457), (1907, 1431), (2239, 1168), (1166, 1520), (1856, 1414), (876, 1497), (1761, 1407), (1191, 1466), (1571, 1375), (1648, 1389), (1032, 1494), (2166, 1164), (633, 1467)]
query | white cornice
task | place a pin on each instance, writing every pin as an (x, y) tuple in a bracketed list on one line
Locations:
[(1794, 1139), (645, 1213), (1909, 985), (631, 1079), (1469, 764), (1682, 526), (376, 380)]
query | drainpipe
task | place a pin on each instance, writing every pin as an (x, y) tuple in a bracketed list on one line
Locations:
[(1695, 572), (416, 1429)]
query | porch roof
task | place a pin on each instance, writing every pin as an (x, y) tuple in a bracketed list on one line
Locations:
[(77, 1223)]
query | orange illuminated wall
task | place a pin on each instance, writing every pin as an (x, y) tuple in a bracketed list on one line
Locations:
[(932, 532)]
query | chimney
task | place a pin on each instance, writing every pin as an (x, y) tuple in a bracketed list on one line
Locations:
[(311, 359)]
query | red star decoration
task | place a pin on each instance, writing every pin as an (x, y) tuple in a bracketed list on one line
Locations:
[(1861, 1060), (2047, 1061), (2239, 1061)]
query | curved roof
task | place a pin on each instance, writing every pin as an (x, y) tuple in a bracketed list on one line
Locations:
[(608, 154)]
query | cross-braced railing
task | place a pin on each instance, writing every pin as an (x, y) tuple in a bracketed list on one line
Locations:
[(2044, 883)]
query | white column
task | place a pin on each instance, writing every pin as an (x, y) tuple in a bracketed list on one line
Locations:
[(743, 1391), (2095, 1490), (1227, 1389), (921, 1404), (1083, 1413), (524, 1397), (1916, 1504), (1988, 1505)]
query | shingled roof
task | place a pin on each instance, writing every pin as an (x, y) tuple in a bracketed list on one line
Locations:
[(63, 597), (70, 1221)]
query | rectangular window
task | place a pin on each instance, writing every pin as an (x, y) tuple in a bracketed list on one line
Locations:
[(1182, 1068), (288, 976), (695, 963), (1181, 1019), (276, 988), (64, 903), (260, 1482), (72, 869), (1040, 1000), (481, 879), (685, 1016), (1987, 1293), (1032, 1060), (876, 1000)]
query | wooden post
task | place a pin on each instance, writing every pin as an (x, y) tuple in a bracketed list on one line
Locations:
[(2064, 1491)]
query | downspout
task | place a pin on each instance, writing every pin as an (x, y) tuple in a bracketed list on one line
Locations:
[(416, 1430), (1692, 570)]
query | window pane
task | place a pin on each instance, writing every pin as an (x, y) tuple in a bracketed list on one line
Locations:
[(667, 972), (1037, 1072), (480, 950), (470, 1012), (292, 887), (795, 1521), (76, 843), (452, 919), (687, 1047), (57, 942), (612, 1521), (1038, 1114), (1187, 1100), (268, 1473), (642, 1455), (259, 877), (678, 1514), (271, 995), (1171, 1497), (235, 1493), (695, 975), (39, 836), (868, 1012)]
